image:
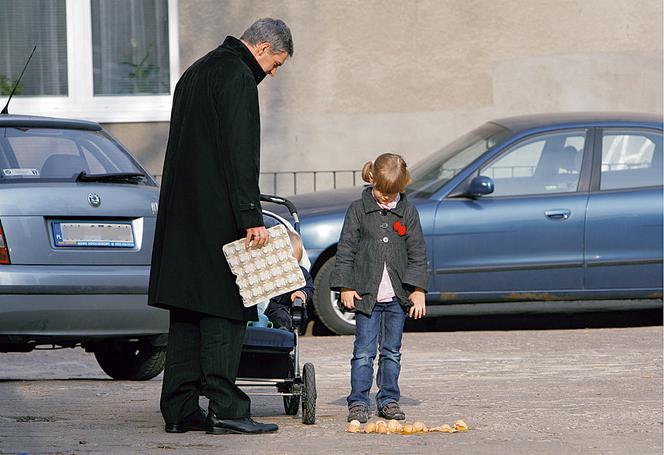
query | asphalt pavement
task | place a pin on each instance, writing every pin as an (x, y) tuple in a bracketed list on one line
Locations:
[(520, 391)]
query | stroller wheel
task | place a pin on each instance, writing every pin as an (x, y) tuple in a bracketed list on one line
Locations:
[(292, 402), (308, 394)]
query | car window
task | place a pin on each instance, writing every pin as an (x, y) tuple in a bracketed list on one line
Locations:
[(432, 173), (33, 151), (548, 163), (630, 159), (52, 154)]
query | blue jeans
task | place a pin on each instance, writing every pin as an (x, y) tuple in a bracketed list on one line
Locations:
[(383, 328)]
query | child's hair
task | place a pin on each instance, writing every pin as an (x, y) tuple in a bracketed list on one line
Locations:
[(296, 243), (388, 173)]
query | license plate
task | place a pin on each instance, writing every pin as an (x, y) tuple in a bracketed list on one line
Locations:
[(93, 234)]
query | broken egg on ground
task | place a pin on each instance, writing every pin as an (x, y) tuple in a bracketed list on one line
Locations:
[(393, 426), (354, 426), (370, 427), (419, 427), (445, 428), (460, 425), (407, 429)]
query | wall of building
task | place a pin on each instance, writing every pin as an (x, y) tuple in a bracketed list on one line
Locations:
[(378, 76)]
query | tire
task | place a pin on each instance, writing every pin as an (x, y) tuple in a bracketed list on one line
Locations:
[(309, 394), (291, 404), (131, 361), (325, 302)]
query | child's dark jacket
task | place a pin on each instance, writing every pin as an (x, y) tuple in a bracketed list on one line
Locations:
[(370, 239)]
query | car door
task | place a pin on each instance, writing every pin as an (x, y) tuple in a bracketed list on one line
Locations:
[(525, 240), (624, 221)]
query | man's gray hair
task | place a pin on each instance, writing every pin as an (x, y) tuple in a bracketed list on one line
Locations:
[(273, 31)]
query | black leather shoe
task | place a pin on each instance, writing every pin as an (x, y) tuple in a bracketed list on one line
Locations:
[(245, 425), (193, 422)]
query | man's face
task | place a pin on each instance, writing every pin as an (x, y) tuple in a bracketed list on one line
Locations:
[(268, 60)]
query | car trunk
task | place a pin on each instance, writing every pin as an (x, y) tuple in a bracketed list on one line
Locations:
[(118, 231)]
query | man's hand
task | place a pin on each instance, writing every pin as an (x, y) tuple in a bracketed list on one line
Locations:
[(299, 294), (348, 297), (418, 309), (256, 237)]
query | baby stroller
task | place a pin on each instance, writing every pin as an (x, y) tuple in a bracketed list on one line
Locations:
[(271, 357)]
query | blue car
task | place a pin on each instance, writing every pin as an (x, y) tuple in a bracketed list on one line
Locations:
[(551, 212)]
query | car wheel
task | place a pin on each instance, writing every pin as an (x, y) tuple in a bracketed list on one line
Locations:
[(325, 302), (131, 361)]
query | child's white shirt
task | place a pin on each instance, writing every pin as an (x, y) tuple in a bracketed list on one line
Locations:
[(385, 289)]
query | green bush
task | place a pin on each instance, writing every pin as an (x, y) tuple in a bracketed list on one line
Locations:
[(6, 86)]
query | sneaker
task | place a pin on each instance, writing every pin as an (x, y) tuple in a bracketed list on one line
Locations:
[(358, 412), (391, 411)]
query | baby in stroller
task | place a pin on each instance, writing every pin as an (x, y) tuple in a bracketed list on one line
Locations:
[(278, 310)]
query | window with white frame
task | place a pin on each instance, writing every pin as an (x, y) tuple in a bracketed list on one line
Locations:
[(103, 60)]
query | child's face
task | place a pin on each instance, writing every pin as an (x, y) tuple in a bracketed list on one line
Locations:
[(296, 245), (297, 254), (384, 198)]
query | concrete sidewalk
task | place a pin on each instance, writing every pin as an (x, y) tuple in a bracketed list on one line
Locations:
[(521, 392)]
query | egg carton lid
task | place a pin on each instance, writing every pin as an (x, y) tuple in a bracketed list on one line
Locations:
[(265, 272)]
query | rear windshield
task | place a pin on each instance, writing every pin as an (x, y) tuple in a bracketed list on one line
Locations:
[(57, 155)]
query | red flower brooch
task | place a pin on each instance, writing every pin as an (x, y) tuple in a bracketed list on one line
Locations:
[(399, 228)]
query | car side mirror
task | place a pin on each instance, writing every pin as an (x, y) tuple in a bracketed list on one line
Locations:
[(480, 186)]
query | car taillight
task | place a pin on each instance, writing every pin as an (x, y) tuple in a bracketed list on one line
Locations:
[(4, 251)]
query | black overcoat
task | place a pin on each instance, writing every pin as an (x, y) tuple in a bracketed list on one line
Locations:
[(209, 191)]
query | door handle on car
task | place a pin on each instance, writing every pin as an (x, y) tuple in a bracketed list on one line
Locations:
[(558, 214)]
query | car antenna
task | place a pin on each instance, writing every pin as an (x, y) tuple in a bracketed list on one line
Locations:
[(18, 81)]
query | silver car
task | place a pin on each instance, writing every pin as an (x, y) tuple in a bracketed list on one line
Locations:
[(77, 218)]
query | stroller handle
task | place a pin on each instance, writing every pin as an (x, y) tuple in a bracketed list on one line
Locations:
[(298, 315), (289, 205)]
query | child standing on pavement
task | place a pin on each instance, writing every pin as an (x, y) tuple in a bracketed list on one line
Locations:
[(381, 272)]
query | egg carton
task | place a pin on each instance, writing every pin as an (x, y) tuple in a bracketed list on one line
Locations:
[(265, 272)]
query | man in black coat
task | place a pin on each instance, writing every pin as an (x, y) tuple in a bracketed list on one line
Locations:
[(210, 197)]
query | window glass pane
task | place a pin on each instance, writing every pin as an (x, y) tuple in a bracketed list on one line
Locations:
[(541, 165), (24, 24), (631, 159), (60, 154), (521, 162), (130, 47), (431, 174)]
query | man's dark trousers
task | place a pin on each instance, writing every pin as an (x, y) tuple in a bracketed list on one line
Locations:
[(203, 356)]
